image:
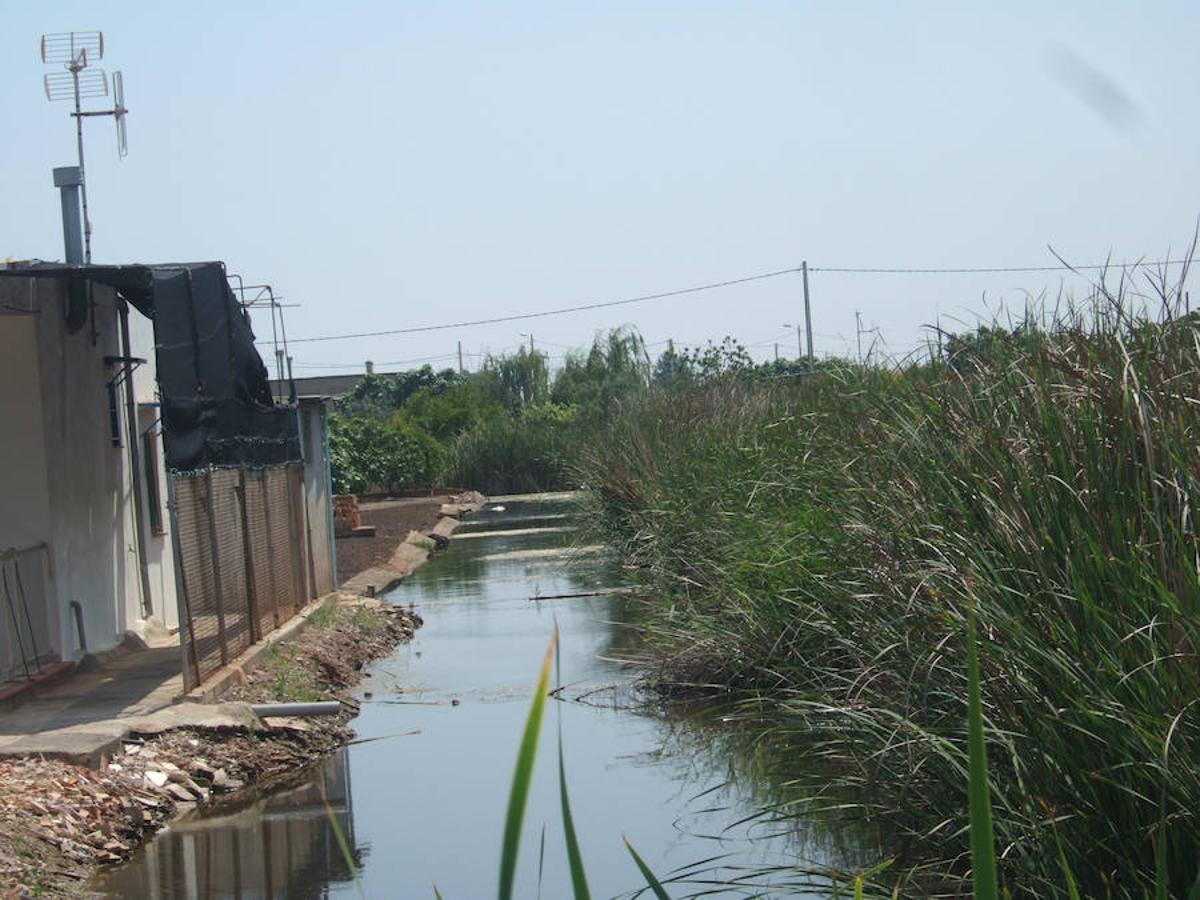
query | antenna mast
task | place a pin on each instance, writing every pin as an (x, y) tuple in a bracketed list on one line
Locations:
[(74, 49)]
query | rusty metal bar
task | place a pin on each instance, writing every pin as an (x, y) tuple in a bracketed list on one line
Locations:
[(218, 589), (248, 552), (181, 581)]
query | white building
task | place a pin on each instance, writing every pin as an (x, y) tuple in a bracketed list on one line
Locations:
[(99, 399), (75, 574)]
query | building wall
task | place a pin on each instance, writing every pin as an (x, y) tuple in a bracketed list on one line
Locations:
[(22, 463), (159, 550), (25, 502), (91, 538), (317, 493), (89, 506)]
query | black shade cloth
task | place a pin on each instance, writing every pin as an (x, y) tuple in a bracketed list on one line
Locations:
[(217, 408)]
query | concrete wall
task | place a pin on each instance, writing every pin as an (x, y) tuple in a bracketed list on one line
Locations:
[(317, 493), (89, 523), (27, 594), (26, 497), (159, 551)]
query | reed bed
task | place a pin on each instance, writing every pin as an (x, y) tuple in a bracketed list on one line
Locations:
[(816, 546), (512, 456)]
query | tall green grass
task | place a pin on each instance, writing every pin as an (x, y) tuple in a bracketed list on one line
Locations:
[(811, 544), (512, 455), (519, 798)]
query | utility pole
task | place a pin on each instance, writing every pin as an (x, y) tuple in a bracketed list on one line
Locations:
[(807, 312), (531, 343), (777, 351), (858, 333), (460, 363), (799, 341)]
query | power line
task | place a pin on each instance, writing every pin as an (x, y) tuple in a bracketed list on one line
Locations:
[(549, 312), (716, 285), (995, 270)]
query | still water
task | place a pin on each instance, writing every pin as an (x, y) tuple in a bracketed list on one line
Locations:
[(420, 798)]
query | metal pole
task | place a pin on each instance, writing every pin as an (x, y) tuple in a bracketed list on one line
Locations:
[(807, 311), (777, 351), (135, 460), (215, 559), (68, 180), (858, 333), (531, 343), (87, 222), (248, 559), (283, 334), (329, 505), (460, 363), (182, 601)]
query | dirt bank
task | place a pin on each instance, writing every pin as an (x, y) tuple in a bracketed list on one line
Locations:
[(393, 520), (59, 822)]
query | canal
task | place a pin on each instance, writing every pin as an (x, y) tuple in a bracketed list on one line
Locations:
[(420, 797)]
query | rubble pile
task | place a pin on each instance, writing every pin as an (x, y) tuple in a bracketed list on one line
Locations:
[(59, 821)]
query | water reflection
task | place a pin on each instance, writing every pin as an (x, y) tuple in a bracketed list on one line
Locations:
[(281, 846), (439, 733)]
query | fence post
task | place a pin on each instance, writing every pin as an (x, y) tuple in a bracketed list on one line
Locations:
[(269, 543), (214, 554), (183, 602), (295, 551), (248, 552)]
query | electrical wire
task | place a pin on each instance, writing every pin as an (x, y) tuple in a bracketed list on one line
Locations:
[(548, 312), (716, 285), (994, 270)]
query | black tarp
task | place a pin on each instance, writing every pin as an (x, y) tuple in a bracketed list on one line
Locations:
[(217, 408)]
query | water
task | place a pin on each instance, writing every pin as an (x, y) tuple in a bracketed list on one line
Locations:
[(439, 735)]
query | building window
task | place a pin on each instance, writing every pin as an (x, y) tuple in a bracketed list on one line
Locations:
[(114, 415), (150, 464)]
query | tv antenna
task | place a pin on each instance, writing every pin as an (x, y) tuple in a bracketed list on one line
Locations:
[(74, 50)]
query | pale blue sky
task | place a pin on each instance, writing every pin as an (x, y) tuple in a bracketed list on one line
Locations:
[(405, 164)]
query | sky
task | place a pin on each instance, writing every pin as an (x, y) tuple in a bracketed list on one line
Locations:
[(397, 165)]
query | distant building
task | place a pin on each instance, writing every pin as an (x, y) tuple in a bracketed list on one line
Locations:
[(335, 387)]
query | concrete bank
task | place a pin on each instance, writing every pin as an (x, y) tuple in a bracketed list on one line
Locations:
[(416, 548)]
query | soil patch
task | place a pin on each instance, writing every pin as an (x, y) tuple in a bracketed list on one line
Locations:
[(393, 520)]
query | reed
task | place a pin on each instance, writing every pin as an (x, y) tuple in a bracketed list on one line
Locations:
[(810, 545), (512, 455)]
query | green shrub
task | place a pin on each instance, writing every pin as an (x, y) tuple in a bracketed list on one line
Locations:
[(368, 453)]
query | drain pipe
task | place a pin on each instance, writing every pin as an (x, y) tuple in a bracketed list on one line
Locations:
[(77, 610), (135, 466), (325, 708)]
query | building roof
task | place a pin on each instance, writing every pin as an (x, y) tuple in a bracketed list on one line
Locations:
[(333, 386)]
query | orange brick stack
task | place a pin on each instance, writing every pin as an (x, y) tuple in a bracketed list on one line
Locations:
[(345, 514)]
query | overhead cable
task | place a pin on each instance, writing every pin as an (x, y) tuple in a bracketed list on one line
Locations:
[(549, 312), (663, 295)]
